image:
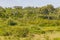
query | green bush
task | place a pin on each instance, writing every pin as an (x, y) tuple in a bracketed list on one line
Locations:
[(12, 23)]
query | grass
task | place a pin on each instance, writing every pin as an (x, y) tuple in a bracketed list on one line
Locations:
[(29, 30), (56, 38)]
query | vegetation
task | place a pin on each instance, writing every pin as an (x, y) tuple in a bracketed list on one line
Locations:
[(24, 22)]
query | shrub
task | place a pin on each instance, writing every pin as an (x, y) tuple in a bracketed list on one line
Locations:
[(12, 23)]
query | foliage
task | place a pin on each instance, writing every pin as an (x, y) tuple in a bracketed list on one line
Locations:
[(21, 22)]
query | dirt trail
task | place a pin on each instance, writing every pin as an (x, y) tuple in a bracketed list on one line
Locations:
[(49, 36)]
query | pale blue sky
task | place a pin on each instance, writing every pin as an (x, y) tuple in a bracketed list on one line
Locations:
[(24, 3)]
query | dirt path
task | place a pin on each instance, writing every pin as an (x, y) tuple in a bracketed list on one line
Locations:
[(48, 36)]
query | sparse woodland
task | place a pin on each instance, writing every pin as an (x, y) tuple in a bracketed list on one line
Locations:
[(25, 22)]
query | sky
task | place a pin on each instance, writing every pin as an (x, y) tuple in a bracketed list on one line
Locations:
[(25, 3)]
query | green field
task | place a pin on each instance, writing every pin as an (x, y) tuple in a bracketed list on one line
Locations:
[(30, 23)]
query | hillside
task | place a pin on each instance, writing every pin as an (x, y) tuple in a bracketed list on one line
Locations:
[(28, 23)]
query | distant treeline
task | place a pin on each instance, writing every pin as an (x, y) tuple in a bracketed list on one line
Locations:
[(45, 12)]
